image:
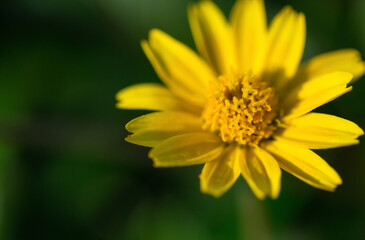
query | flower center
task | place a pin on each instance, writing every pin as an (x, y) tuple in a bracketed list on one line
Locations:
[(241, 109)]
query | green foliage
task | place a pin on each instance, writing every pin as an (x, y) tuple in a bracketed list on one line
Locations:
[(65, 170)]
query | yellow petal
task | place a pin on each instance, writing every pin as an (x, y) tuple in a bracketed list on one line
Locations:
[(286, 42), (187, 149), (314, 93), (304, 164), (317, 130), (151, 129), (181, 69), (346, 60), (148, 96), (220, 174), (249, 23), (212, 35), (261, 172)]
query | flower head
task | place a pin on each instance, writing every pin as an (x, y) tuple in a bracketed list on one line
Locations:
[(243, 107)]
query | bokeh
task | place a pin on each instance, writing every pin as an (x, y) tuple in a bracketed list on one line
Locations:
[(66, 171)]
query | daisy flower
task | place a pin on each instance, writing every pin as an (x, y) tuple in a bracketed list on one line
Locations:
[(242, 106)]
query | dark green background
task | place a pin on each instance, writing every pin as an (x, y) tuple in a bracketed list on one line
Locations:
[(66, 171)]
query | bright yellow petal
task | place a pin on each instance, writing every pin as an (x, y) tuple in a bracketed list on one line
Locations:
[(317, 130), (212, 35), (181, 69), (261, 171), (314, 93), (286, 42), (220, 174), (148, 96), (249, 23), (187, 149), (346, 60), (304, 164), (151, 129)]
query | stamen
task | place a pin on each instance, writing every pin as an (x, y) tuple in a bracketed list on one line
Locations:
[(241, 109)]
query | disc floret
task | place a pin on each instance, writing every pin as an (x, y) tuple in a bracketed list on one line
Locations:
[(241, 109)]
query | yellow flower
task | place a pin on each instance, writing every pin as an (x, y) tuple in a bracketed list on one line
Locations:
[(243, 107)]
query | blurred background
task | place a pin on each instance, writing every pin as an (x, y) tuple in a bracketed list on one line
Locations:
[(66, 171)]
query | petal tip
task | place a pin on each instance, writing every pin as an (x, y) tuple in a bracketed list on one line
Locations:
[(144, 45), (155, 33), (156, 163), (261, 196), (119, 105), (204, 189), (129, 139), (119, 97), (287, 10), (360, 131), (274, 197), (127, 126)]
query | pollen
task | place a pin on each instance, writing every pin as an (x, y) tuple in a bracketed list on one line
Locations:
[(241, 109)]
